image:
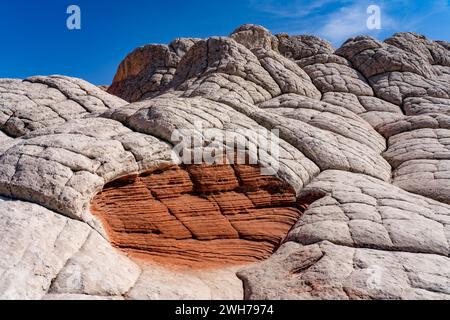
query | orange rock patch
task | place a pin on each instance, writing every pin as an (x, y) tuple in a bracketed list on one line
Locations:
[(198, 216)]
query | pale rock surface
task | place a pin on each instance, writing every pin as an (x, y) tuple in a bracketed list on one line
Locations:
[(335, 74), (35, 245), (47, 256), (62, 167), (76, 297), (360, 211), (395, 87), (326, 149), (156, 283), (302, 46), (328, 271), (96, 270), (430, 178), (254, 36), (423, 105), (39, 102), (5, 141), (160, 117), (373, 57), (328, 117), (434, 52), (421, 156)]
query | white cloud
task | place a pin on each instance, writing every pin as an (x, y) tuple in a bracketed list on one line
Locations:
[(351, 21), (348, 21), (396, 15), (338, 20)]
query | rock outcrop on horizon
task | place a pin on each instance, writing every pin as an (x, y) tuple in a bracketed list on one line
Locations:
[(93, 205)]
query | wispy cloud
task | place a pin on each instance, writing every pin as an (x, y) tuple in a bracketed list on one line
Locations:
[(348, 21), (338, 20), (351, 21), (294, 8), (414, 20)]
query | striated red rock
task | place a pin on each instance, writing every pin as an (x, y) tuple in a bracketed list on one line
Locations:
[(168, 183), (251, 178), (213, 178), (130, 207), (198, 216), (266, 198), (202, 217)]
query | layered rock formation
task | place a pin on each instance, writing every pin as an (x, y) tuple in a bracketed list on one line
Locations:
[(94, 206), (201, 216)]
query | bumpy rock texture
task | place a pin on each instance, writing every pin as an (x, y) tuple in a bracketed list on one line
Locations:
[(93, 205)]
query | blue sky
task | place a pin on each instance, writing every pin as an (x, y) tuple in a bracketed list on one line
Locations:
[(36, 41)]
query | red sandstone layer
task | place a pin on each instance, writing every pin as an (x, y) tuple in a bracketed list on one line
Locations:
[(200, 216)]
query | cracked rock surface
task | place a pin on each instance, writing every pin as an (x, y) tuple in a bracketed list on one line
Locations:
[(93, 204)]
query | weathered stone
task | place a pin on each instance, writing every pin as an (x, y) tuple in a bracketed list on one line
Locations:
[(372, 57), (360, 211), (424, 105), (148, 70), (254, 36), (395, 87), (338, 77), (329, 271), (39, 102), (62, 167), (35, 245), (326, 149), (433, 52), (299, 47), (157, 283), (96, 270), (164, 116), (326, 116)]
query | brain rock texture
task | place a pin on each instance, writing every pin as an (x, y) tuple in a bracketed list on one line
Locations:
[(93, 204)]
